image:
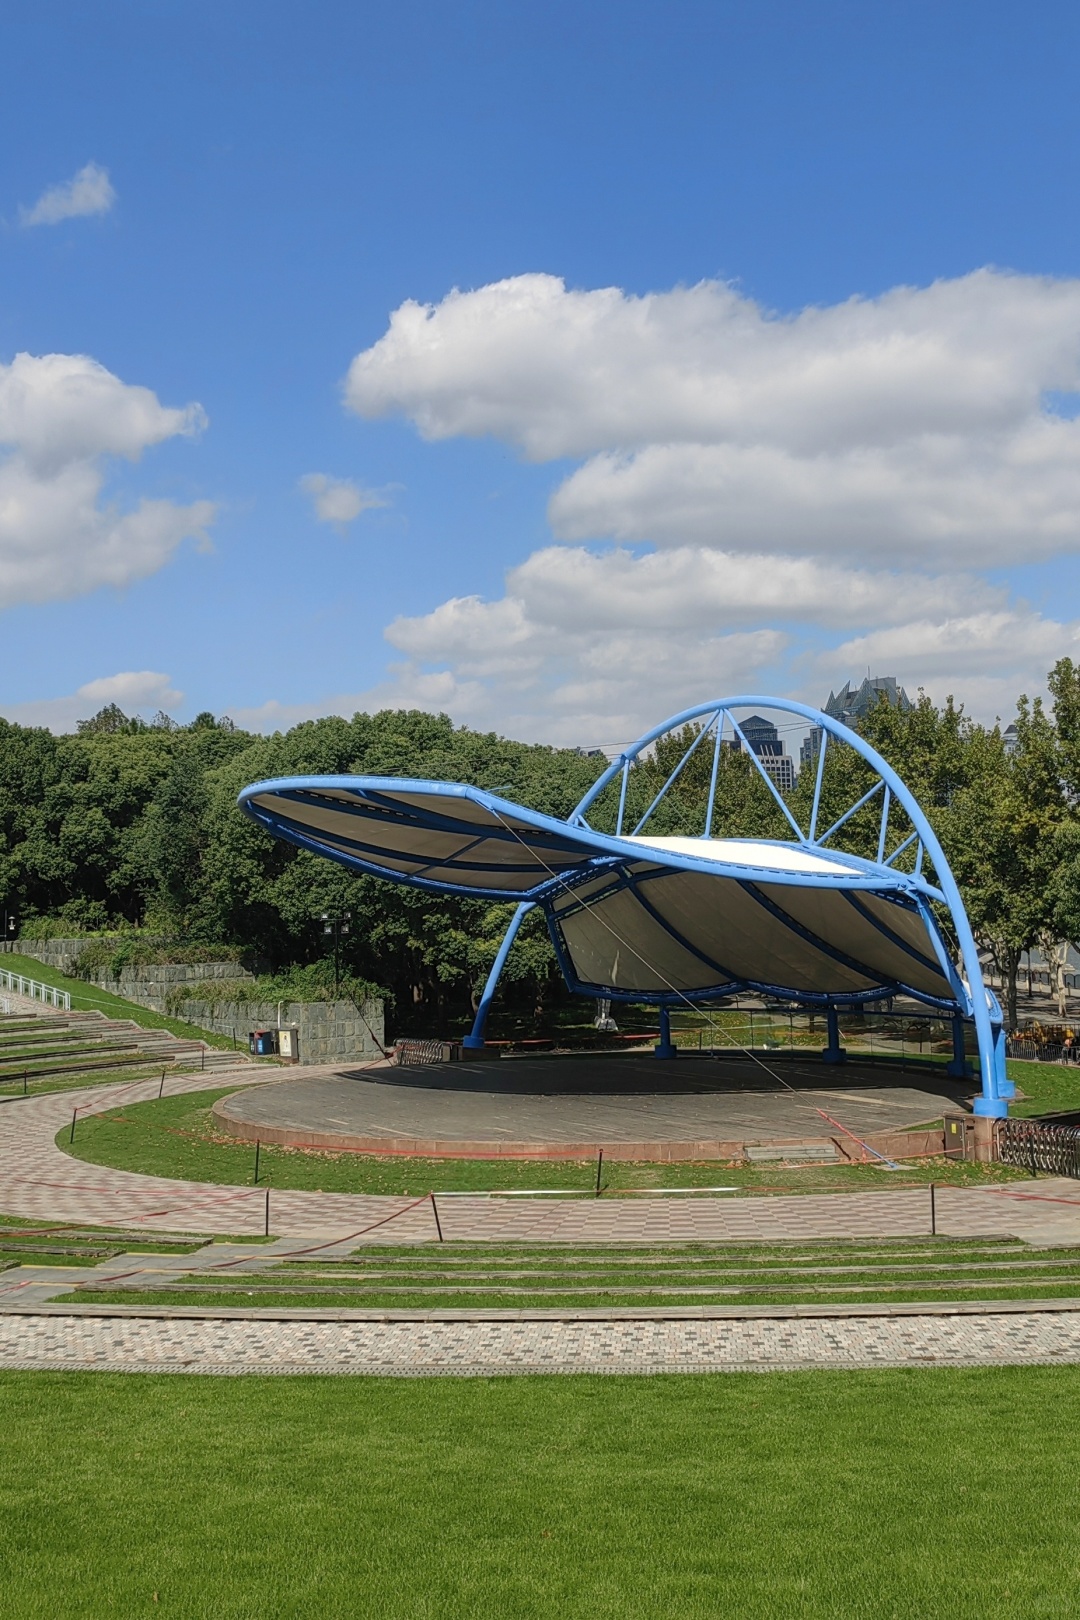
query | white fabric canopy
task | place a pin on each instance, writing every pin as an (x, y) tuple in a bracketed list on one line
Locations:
[(646, 915)]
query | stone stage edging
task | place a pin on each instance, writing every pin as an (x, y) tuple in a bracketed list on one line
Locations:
[(907, 1144)]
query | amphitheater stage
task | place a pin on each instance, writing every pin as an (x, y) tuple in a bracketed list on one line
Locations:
[(630, 1106)]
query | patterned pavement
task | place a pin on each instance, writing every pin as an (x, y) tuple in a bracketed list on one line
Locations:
[(475, 1349), (39, 1181)]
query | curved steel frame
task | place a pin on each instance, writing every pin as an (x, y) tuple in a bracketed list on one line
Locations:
[(600, 854), (973, 999)]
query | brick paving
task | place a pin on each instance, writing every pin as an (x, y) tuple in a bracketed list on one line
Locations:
[(39, 1181), (485, 1348)]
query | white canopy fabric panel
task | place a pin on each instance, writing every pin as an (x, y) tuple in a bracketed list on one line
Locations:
[(657, 932), (655, 916), (445, 840)]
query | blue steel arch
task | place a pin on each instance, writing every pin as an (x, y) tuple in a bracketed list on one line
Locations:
[(553, 859), (972, 998)]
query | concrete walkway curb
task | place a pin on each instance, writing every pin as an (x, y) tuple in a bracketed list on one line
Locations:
[(628, 1313)]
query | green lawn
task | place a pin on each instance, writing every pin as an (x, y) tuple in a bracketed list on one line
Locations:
[(903, 1495), (85, 997)]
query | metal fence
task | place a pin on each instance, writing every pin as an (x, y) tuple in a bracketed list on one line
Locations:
[(1053, 1149), (408, 1052), (1042, 1051), (37, 991)]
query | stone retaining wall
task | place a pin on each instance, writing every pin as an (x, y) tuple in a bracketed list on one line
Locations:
[(55, 953), (330, 1031), (152, 983)]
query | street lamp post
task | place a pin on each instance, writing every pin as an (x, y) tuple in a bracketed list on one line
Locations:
[(337, 927)]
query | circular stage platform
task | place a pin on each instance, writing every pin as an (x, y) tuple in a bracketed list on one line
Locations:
[(631, 1106)]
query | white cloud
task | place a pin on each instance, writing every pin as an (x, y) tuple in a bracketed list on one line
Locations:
[(914, 421), (339, 500), (694, 588), (62, 415), (601, 697), (1014, 645), (88, 192), (587, 644), (136, 691), (849, 468)]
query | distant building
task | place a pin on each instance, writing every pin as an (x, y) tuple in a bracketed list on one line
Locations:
[(763, 739), (852, 704), (1010, 738)]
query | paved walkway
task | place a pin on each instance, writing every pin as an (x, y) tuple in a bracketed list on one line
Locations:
[(464, 1349), (39, 1181)]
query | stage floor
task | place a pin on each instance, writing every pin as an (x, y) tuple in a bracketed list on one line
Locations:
[(629, 1105)]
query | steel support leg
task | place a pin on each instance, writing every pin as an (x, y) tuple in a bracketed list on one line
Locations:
[(665, 1049), (474, 1041), (997, 1089), (834, 1052)]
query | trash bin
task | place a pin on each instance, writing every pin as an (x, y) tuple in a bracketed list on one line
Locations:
[(262, 1042), (288, 1044)]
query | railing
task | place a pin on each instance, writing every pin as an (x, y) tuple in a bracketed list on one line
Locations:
[(37, 991), (1042, 1051), (866, 1033), (408, 1052), (1053, 1149)]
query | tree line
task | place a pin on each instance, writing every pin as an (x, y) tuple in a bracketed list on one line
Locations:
[(133, 825)]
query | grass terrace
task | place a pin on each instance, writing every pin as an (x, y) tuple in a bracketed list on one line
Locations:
[(454, 1276), (86, 997)]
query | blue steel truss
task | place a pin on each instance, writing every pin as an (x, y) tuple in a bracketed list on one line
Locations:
[(573, 854)]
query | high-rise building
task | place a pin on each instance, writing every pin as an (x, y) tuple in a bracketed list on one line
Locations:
[(852, 704), (763, 739)]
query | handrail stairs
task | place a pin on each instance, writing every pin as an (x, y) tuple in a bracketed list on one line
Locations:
[(48, 993)]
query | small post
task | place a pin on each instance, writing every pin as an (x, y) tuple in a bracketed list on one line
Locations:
[(933, 1211), (435, 1212), (74, 1117), (258, 1144), (161, 1088), (959, 1066), (664, 1047), (24, 1083), (266, 1222), (599, 1170), (202, 1056), (834, 1052)]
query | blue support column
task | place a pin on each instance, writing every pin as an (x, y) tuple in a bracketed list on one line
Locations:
[(997, 1089), (1005, 1087), (665, 1049), (959, 1068), (474, 1042), (834, 1052)]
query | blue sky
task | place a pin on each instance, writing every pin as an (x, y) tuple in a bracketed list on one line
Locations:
[(271, 182)]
